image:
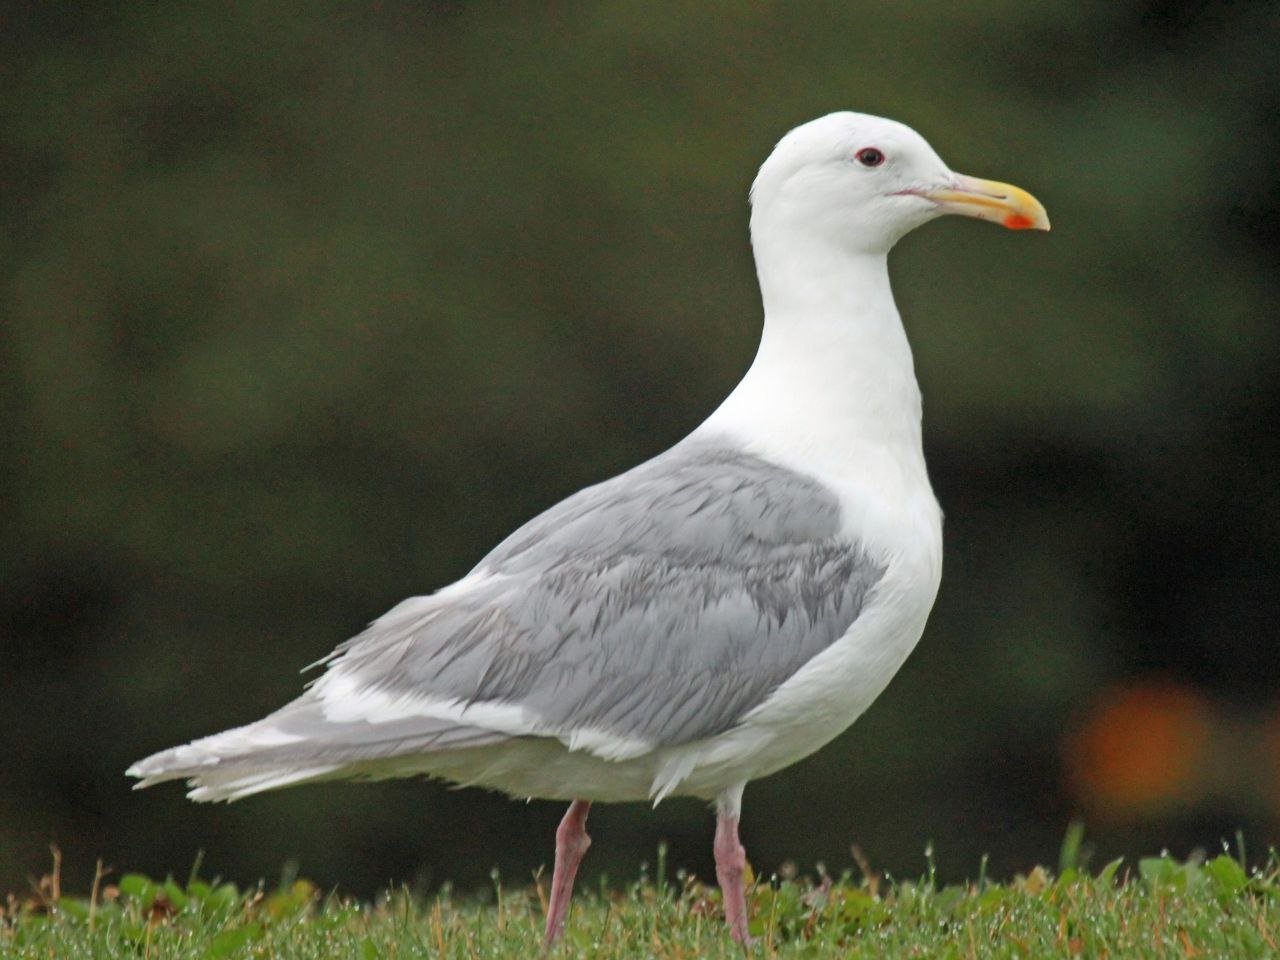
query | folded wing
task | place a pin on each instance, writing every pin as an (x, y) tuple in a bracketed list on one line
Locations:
[(655, 609)]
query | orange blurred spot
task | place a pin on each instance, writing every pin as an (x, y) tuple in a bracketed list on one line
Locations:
[(1271, 760), (1017, 221), (1140, 747)]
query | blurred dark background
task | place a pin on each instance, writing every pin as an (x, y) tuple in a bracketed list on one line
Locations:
[(303, 307)]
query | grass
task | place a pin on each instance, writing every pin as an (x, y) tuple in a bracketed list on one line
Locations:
[(1159, 908)]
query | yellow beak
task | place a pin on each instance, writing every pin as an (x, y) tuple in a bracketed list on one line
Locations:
[(1000, 203)]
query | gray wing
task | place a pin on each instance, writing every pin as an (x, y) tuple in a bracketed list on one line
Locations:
[(662, 605)]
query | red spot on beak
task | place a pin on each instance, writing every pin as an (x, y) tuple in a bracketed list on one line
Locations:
[(1017, 221)]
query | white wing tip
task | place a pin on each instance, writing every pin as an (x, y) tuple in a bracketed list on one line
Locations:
[(236, 784)]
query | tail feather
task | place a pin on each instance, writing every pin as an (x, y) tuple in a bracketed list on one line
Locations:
[(298, 745)]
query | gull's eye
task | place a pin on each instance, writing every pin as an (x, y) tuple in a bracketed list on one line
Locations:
[(869, 157)]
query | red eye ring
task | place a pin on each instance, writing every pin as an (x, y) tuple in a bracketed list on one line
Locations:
[(870, 157)]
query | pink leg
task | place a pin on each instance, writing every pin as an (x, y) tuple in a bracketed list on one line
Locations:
[(731, 858), (571, 843)]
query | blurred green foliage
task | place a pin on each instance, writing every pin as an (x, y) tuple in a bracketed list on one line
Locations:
[(303, 307)]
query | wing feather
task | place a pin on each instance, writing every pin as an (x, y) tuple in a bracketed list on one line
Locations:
[(657, 608)]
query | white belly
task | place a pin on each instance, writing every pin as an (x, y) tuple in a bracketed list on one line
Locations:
[(827, 694)]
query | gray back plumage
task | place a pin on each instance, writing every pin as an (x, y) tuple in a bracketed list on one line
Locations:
[(662, 605)]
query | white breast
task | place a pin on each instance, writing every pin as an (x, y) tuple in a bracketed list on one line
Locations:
[(904, 532), (833, 396)]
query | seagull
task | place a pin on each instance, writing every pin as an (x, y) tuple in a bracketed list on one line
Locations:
[(708, 617)]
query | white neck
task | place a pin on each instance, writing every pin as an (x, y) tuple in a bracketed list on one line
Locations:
[(832, 390)]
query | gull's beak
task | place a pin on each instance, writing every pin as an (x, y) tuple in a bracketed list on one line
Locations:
[(1000, 203)]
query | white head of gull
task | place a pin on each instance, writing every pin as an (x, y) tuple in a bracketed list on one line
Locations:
[(708, 617)]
